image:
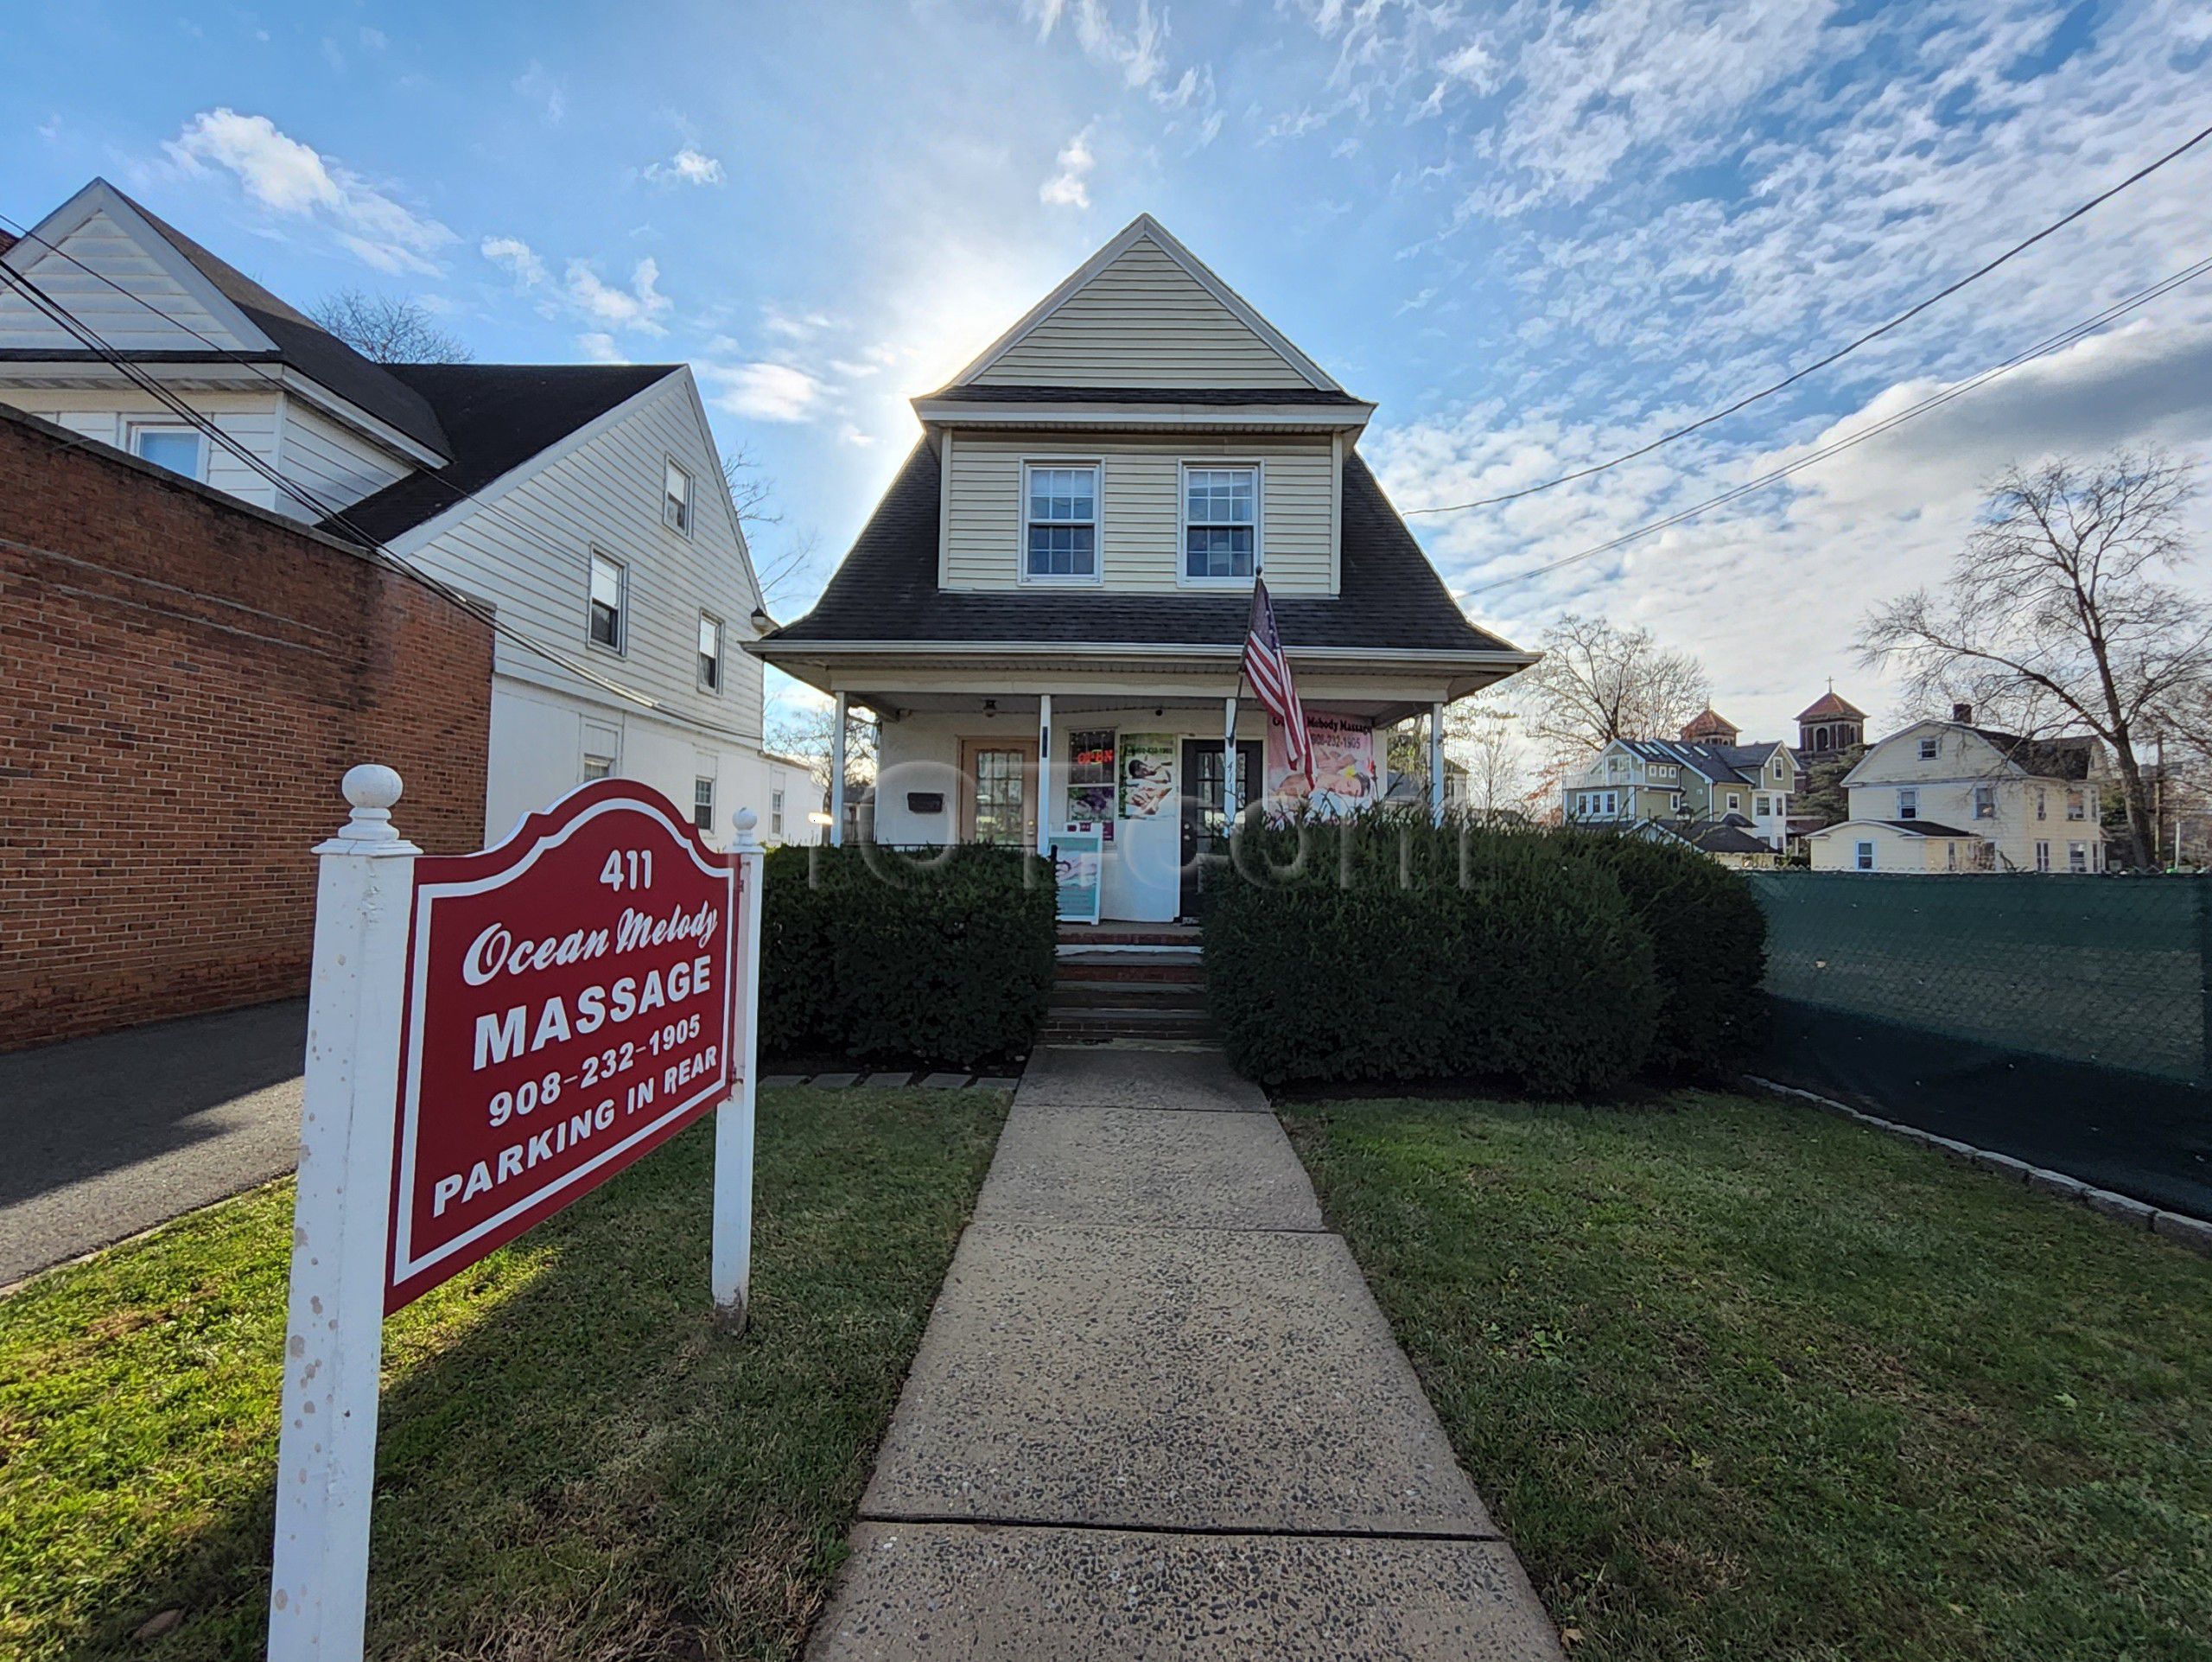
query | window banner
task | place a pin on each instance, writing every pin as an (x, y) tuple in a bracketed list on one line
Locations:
[(1090, 780), (1148, 774), (1344, 778)]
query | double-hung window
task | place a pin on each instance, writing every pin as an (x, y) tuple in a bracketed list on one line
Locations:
[(702, 803), (1985, 802), (1928, 750), (173, 446), (710, 652), (1865, 853), (776, 813), (610, 603), (1909, 804), (675, 500), (1221, 523), (1059, 528)]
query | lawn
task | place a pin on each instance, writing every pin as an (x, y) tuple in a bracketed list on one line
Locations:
[(1742, 1380), (575, 1461)]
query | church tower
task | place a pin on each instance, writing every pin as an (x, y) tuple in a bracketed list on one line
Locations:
[(1709, 726), (1829, 723)]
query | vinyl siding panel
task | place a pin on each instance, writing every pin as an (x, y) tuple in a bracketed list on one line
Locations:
[(248, 419), (1140, 519), (1142, 321), (337, 466), (529, 553), (119, 318)]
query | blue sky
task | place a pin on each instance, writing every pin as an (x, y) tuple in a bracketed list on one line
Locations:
[(1535, 233)]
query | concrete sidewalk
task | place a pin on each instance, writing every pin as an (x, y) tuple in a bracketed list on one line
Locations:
[(1158, 1414), (110, 1135)]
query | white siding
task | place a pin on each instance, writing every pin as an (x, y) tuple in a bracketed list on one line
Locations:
[(529, 554), (1139, 518), (1142, 321), (119, 318), (337, 465), (248, 419)]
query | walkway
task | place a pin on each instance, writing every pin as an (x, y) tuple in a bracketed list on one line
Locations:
[(110, 1135), (1157, 1413)]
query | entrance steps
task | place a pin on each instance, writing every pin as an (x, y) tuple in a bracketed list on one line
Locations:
[(1142, 981)]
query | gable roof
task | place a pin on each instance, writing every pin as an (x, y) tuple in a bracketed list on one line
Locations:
[(1144, 240), (2042, 758), (498, 417), (295, 339), (886, 592)]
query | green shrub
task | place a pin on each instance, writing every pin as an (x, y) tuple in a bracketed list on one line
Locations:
[(1708, 948), (1393, 949), (872, 954)]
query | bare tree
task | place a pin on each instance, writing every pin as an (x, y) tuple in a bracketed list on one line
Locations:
[(808, 734), (752, 492), (2058, 614), (1484, 737), (389, 329), (1598, 682)]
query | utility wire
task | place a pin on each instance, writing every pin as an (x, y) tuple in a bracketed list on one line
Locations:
[(1799, 374), (2043, 348)]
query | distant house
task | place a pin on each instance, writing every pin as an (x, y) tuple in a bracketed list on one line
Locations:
[(1729, 843), (1712, 780), (1949, 796), (584, 504)]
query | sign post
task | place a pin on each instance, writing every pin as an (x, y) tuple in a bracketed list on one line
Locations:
[(490, 1036)]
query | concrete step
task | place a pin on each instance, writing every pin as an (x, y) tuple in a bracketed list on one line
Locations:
[(1130, 966), (1132, 994), (1081, 935), (1126, 1024)]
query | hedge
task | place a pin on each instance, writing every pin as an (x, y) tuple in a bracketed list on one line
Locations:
[(1708, 947), (1389, 948), (878, 955)]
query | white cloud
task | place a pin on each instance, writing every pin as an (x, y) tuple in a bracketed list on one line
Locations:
[(600, 348), (689, 165), (374, 39), (795, 325), (849, 433), (290, 178), (1070, 186), (542, 87), (638, 307), (520, 260), (765, 392)]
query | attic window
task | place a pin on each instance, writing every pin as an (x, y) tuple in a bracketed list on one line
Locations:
[(1059, 535), (675, 500), (1928, 750), (1221, 523)]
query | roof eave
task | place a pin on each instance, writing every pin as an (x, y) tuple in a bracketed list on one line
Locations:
[(1198, 413)]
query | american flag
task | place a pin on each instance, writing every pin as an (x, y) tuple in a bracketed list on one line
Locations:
[(1269, 672)]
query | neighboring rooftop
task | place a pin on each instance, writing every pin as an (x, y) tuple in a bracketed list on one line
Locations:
[(2044, 758), (1828, 707)]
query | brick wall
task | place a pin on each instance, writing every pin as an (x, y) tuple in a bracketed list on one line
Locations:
[(184, 679)]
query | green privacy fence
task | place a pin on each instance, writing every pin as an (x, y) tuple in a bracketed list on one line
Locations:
[(2107, 971)]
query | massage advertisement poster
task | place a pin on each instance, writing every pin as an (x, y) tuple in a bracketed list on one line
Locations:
[(1344, 778), (1148, 774), (1091, 779)]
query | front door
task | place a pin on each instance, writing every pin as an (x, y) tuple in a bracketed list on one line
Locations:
[(1205, 822), (998, 800)]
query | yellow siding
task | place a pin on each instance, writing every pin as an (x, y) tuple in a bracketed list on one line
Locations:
[(1139, 522), (1142, 321)]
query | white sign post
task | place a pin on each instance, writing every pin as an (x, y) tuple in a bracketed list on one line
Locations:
[(366, 1038), (333, 1342)]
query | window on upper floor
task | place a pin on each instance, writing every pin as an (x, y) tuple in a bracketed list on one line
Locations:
[(610, 603), (172, 445), (2077, 806), (1221, 523), (710, 652), (1059, 529), (1927, 749), (776, 813), (1985, 802), (675, 500), (702, 803), (1908, 805)]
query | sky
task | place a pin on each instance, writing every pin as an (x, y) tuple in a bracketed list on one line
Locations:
[(1536, 234)]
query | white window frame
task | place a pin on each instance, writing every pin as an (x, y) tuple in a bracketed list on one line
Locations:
[(1219, 464), (1862, 857), (1982, 801), (1909, 802), (597, 766), (2077, 804), (709, 780), (2043, 857), (722, 656), (1067, 580), (1929, 748), (132, 431), (2077, 856), (670, 465), (776, 813), (621, 647), (1735, 802)]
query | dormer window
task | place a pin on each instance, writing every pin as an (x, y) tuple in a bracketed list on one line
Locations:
[(1059, 531), (1220, 524)]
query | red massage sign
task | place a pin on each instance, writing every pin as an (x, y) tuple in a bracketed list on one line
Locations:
[(567, 1008)]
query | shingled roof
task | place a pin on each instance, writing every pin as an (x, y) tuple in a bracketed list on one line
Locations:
[(2043, 758), (887, 591)]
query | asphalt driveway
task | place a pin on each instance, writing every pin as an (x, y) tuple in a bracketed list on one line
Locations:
[(110, 1136)]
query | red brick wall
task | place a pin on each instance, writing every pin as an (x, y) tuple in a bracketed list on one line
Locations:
[(184, 679)]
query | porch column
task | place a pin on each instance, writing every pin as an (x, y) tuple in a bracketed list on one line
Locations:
[(1436, 764), (837, 777), (1229, 802), (1044, 773)]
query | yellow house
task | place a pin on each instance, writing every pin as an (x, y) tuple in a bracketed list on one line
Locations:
[(1949, 796)]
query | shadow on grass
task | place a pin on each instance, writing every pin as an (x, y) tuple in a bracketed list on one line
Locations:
[(575, 1458)]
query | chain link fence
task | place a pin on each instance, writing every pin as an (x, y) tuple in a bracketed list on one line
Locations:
[(2060, 1020)]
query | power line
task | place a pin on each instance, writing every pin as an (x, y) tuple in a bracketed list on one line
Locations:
[(1799, 374), (2043, 348)]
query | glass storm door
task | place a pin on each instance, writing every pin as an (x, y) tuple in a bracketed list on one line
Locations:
[(1205, 820)]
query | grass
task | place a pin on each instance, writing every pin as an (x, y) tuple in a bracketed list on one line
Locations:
[(1742, 1380), (574, 1459)]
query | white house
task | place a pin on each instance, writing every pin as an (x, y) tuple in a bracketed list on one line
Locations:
[(584, 504), (1048, 608), (1949, 796)]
